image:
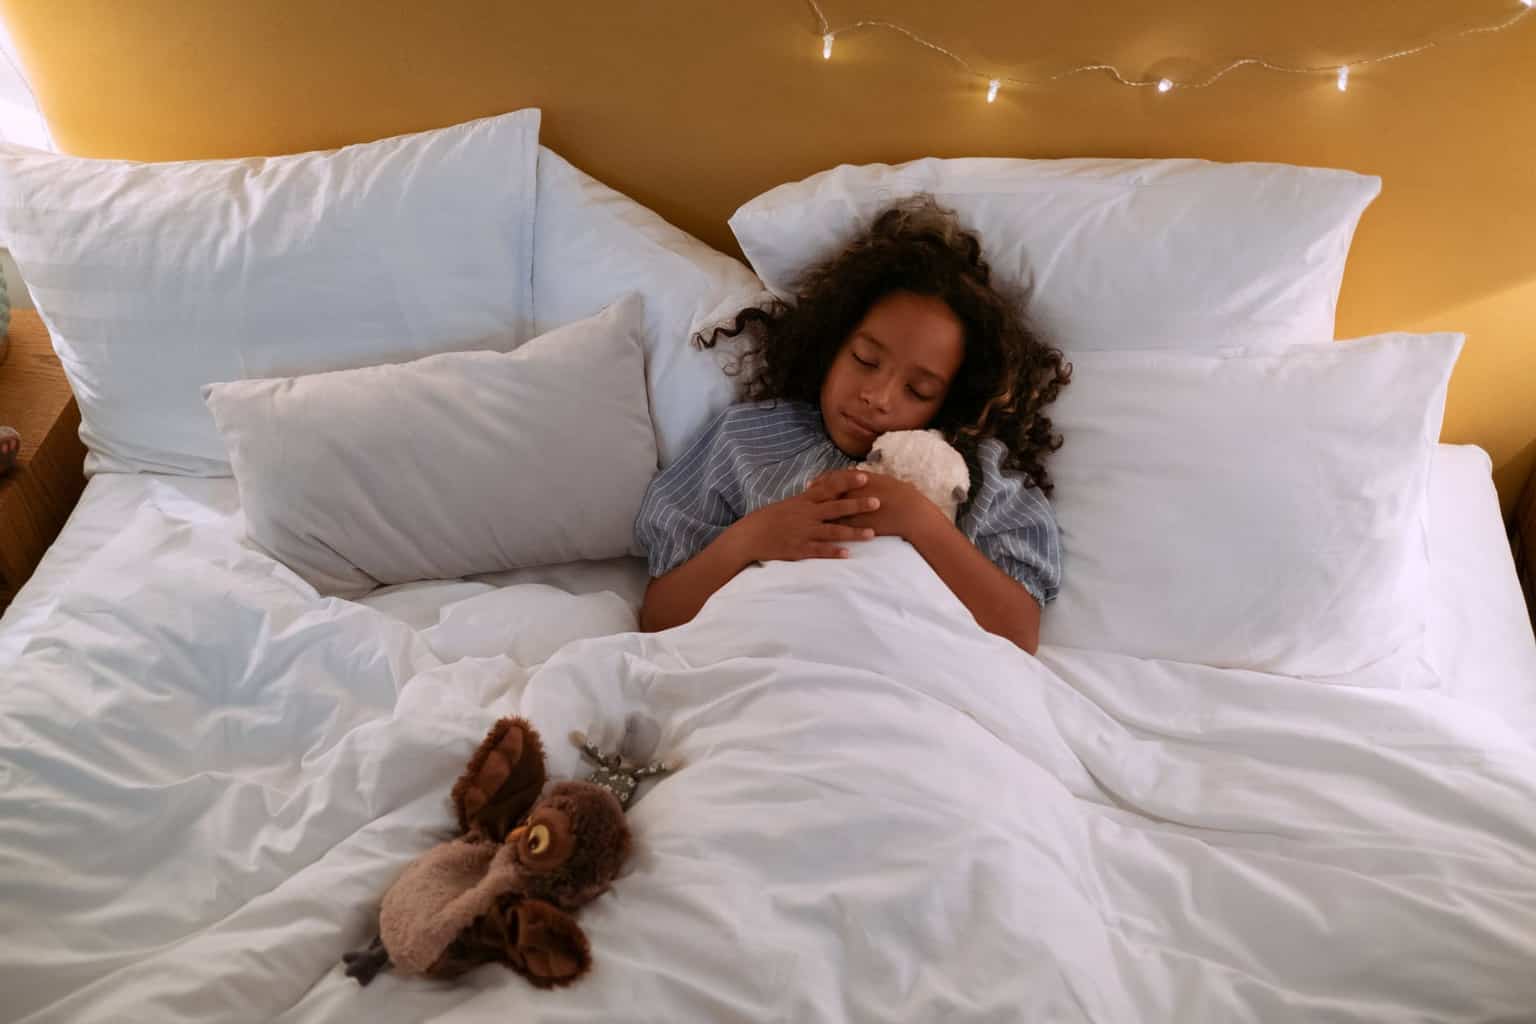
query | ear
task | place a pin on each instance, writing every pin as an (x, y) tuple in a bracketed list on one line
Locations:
[(502, 781), (551, 948)]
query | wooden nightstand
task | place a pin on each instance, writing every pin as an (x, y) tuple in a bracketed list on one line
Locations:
[(37, 496)]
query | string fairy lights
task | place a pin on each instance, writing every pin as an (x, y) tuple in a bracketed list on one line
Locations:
[(1340, 72)]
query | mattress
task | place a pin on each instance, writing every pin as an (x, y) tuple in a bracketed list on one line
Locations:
[(883, 812)]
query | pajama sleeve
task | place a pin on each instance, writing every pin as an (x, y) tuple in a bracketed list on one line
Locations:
[(1012, 524), (692, 501)]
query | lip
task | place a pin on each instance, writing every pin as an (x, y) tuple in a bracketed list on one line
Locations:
[(860, 426)]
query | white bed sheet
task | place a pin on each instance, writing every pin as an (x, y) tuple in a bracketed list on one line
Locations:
[(1479, 633), (111, 500), (207, 778)]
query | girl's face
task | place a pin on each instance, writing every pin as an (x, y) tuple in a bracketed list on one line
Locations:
[(892, 372)]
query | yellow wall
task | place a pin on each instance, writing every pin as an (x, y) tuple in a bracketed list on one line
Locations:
[(693, 106)]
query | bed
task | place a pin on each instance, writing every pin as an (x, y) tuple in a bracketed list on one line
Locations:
[(250, 840), (212, 770)]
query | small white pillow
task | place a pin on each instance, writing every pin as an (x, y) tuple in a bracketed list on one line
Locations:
[(1109, 254), (449, 466), (593, 244), (1251, 510), (157, 278)]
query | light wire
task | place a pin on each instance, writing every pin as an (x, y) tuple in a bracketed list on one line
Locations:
[(828, 33)]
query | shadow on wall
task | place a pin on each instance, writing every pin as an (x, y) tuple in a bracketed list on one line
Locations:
[(1514, 477), (1492, 392)]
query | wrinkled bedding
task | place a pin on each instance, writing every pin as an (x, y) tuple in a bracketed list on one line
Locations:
[(208, 776)]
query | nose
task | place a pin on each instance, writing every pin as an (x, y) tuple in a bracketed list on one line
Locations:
[(877, 393)]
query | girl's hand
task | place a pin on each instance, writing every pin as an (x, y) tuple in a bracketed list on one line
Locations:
[(807, 525), (903, 511)]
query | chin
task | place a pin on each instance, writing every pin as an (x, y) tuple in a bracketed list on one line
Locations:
[(852, 449), (852, 444)]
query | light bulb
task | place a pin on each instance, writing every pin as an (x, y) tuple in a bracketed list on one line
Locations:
[(826, 46), (1163, 85), (1343, 78), (992, 88)]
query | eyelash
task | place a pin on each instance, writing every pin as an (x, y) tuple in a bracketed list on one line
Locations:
[(910, 389)]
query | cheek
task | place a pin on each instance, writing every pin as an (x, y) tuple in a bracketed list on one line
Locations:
[(913, 413), (837, 384)]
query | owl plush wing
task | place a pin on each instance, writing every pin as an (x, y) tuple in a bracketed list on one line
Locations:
[(502, 781)]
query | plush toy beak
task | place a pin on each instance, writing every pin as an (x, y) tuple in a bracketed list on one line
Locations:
[(516, 835)]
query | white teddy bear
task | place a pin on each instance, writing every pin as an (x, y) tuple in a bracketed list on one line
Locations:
[(926, 461)]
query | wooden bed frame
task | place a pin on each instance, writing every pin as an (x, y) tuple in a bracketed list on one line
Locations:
[(1522, 535)]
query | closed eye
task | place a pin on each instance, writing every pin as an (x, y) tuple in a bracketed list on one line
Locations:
[(863, 362), (920, 396)]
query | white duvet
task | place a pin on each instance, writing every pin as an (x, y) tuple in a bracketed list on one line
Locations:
[(208, 777)]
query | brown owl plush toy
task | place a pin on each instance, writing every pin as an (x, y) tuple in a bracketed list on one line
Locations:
[(504, 890)]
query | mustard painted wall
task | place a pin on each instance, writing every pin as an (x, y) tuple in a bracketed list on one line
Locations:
[(694, 106)]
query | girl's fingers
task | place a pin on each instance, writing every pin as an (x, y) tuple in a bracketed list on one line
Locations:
[(836, 484), (842, 508), (817, 549), (836, 531)]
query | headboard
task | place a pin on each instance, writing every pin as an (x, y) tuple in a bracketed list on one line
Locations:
[(693, 106)]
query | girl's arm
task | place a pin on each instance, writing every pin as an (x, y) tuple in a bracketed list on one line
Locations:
[(999, 603), (800, 527), (676, 598)]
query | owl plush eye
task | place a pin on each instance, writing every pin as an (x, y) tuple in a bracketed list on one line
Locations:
[(538, 839), (546, 840)]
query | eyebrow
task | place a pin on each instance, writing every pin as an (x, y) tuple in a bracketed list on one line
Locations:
[(885, 348)]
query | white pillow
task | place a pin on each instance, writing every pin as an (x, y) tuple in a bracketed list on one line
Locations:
[(593, 244), (157, 278), (1252, 510), (449, 466), (1110, 254)]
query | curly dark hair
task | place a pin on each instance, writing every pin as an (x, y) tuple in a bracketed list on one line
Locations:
[(1008, 375)]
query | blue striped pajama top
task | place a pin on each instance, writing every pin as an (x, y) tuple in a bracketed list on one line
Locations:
[(758, 453)]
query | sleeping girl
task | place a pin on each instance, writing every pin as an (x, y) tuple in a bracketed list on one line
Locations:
[(902, 330)]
